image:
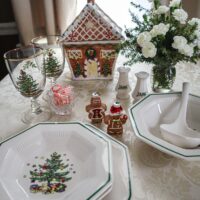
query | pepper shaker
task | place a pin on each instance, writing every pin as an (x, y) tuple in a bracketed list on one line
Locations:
[(141, 86), (123, 88)]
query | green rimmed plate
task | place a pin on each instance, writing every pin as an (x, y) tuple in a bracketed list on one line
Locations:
[(55, 161), (122, 185)]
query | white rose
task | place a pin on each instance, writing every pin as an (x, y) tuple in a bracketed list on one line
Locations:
[(149, 50), (179, 42), (197, 34), (194, 21), (144, 38), (175, 3), (198, 44), (161, 10), (180, 15), (192, 45), (160, 29), (188, 50), (173, 28)]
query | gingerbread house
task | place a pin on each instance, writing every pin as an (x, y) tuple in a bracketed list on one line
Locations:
[(90, 44)]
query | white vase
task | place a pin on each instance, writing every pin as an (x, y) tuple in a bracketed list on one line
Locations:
[(123, 88), (141, 86)]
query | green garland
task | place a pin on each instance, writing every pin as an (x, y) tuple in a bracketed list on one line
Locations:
[(88, 53)]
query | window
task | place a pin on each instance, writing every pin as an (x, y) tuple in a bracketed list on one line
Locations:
[(117, 10)]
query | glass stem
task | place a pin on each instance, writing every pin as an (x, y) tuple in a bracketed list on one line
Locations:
[(53, 81), (35, 106)]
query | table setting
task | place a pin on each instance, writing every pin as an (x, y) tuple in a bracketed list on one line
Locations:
[(77, 123)]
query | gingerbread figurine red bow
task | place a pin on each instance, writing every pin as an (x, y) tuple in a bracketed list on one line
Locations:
[(115, 119)]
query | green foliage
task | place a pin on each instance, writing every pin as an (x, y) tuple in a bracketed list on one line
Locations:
[(26, 84), (29, 64), (51, 63), (163, 77), (166, 54)]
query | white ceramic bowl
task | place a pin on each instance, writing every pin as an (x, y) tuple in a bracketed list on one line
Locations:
[(84, 154), (155, 109)]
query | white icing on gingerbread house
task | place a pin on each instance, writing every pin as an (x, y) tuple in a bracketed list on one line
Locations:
[(90, 43)]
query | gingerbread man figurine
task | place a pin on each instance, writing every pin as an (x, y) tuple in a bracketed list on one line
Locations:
[(115, 119), (96, 109)]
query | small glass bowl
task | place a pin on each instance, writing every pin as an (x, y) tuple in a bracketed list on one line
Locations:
[(59, 108)]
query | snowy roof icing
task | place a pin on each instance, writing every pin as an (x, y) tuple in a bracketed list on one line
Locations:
[(92, 24)]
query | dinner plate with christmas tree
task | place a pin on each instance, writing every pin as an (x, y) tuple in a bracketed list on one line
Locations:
[(122, 173), (56, 161)]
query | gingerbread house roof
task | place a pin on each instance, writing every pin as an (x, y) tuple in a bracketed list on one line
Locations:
[(92, 25)]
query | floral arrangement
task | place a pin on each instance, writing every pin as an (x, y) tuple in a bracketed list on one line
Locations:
[(163, 34), (164, 37)]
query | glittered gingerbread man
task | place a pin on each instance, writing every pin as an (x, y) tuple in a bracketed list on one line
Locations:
[(96, 109), (115, 119)]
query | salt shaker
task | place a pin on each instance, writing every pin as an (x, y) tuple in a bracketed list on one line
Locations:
[(141, 86), (123, 88)]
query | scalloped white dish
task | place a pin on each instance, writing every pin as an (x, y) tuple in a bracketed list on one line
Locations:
[(122, 173), (57, 161), (155, 109)]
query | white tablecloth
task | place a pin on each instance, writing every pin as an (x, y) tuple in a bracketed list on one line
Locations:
[(156, 176)]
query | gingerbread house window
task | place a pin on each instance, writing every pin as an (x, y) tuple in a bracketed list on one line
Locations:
[(108, 54), (74, 54)]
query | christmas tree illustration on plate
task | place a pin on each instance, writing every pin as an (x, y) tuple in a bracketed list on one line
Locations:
[(51, 176)]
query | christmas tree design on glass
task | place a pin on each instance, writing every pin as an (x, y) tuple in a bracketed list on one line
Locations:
[(25, 82), (51, 64), (51, 176)]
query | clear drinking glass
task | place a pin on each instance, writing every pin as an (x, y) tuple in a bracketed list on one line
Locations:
[(26, 70), (54, 59)]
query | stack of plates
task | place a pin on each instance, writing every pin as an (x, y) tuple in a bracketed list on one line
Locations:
[(61, 161)]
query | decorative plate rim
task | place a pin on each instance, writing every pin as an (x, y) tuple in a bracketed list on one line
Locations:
[(108, 183), (146, 139), (125, 148)]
